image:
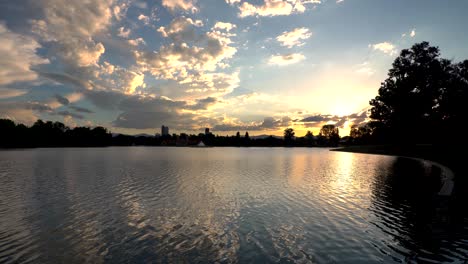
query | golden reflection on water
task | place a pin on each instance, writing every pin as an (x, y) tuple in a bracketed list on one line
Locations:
[(344, 177), (298, 169), (202, 205)]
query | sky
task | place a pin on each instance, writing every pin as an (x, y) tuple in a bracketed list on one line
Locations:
[(230, 65)]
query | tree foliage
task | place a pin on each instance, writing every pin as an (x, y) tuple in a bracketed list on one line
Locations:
[(329, 135), (289, 135), (423, 96), (51, 134)]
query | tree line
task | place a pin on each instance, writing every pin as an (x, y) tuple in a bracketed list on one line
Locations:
[(51, 134), (56, 134)]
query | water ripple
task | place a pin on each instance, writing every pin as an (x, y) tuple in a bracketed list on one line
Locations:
[(223, 205)]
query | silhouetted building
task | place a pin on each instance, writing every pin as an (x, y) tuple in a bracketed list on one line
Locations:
[(164, 130), (207, 131)]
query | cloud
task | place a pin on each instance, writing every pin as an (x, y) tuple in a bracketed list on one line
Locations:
[(80, 109), (184, 5), (294, 37), (62, 100), (224, 26), (124, 81), (123, 33), (70, 32), (67, 113), (136, 42), (145, 19), (58, 100), (181, 29), (273, 7), (152, 112), (385, 47), (134, 80), (203, 103), (17, 56), (232, 2), (269, 123), (71, 38), (286, 59), (10, 93), (317, 118), (192, 59), (358, 118), (18, 112)]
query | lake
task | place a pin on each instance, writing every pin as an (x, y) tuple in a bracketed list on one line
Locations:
[(226, 205)]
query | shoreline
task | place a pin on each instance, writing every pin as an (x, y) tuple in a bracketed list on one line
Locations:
[(423, 153)]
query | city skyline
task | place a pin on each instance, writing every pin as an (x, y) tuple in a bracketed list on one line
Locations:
[(257, 65)]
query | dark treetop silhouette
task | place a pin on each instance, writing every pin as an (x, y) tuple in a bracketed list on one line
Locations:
[(423, 100)]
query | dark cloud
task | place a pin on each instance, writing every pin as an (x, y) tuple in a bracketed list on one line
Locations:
[(65, 79), (341, 122), (106, 100), (318, 118), (202, 104), (175, 120), (61, 99), (358, 118), (152, 112), (80, 109), (36, 106), (227, 127), (67, 113), (150, 104)]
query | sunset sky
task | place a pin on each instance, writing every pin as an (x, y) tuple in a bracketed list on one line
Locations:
[(230, 65)]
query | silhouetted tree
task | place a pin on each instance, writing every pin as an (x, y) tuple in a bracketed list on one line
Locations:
[(329, 135), (247, 138), (289, 135), (238, 138), (361, 134), (309, 137), (423, 93)]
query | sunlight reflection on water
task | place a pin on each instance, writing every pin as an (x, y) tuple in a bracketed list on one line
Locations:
[(220, 205)]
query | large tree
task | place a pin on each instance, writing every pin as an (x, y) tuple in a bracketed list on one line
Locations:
[(289, 135), (329, 135), (413, 102)]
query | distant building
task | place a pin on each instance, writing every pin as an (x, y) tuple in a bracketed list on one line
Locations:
[(164, 130), (207, 131)]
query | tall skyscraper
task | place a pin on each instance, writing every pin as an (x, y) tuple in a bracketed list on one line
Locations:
[(207, 131), (164, 130)]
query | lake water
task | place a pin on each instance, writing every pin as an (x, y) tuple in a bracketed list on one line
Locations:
[(227, 205)]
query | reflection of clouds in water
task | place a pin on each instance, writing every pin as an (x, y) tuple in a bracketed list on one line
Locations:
[(216, 205), (198, 221)]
